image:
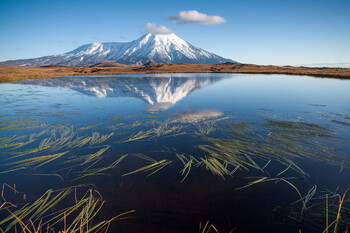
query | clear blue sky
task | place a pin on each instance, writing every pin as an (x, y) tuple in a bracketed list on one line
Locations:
[(276, 32)]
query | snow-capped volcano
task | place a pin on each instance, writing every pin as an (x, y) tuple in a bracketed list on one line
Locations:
[(165, 48)]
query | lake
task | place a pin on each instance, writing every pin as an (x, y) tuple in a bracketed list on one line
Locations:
[(182, 152)]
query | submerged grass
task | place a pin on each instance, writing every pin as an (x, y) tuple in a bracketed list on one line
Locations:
[(32, 162), (326, 212), (139, 136), (151, 168), (98, 171), (187, 161), (16, 144), (242, 146), (207, 227), (157, 129), (247, 148), (234, 147), (323, 211), (60, 138), (40, 215), (215, 166), (18, 124)]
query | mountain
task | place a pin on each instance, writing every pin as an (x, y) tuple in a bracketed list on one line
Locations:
[(164, 48), (159, 91)]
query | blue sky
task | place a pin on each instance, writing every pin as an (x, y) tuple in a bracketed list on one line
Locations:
[(277, 32)]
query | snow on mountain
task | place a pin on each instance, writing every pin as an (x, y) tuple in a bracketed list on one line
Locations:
[(160, 92), (165, 48)]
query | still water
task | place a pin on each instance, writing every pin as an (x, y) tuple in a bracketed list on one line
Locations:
[(249, 153)]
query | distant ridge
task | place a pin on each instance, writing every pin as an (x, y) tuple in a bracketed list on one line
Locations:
[(149, 48), (328, 65)]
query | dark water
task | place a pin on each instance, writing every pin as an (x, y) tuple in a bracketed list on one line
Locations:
[(183, 149)]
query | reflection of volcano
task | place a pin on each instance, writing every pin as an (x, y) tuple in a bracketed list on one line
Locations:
[(160, 91)]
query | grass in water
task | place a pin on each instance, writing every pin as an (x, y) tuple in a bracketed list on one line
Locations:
[(187, 162), (98, 171), (152, 168), (40, 215), (36, 162)]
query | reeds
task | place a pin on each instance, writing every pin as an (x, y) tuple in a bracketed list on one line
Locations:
[(158, 129), (239, 145), (98, 171), (139, 136), (216, 167), (39, 215), (205, 127), (96, 138), (187, 161), (18, 124), (234, 147), (151, 168), (248, 148), (61, 138), (207, 227), (321, 210), (32, 162)]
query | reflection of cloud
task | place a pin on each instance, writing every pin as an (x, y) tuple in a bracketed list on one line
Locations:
[(159, 106), (152, 28), (188, 17), (194, 116), (99, 93)]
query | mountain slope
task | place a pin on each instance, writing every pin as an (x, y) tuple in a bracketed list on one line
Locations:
[(165, 48)]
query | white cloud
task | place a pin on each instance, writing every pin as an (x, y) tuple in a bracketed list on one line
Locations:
[(188, 17), (152, 28)]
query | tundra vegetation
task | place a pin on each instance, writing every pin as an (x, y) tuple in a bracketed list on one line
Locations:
[(13, 73)]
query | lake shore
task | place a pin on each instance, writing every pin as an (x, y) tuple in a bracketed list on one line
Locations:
[(14, 73)]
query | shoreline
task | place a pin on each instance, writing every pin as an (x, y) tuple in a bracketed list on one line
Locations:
[(16, 73)]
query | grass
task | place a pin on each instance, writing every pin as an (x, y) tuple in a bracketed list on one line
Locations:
[(207, 228), (98, 171), (39, 216), (157, 129), (151, 168), (73, 153), (318, 212), (15, 73), (286, 143), (32, 162), (52, 139), (187, 162), (239, 146)]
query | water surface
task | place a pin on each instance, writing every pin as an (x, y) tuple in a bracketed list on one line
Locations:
[(181, 149)]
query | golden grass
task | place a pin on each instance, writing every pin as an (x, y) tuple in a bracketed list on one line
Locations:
[(152, 168), (238, 146), (14, 73), (51, 210)]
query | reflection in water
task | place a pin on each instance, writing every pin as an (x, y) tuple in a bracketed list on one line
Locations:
[(194, 116), (160, 92), (225, 153)]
